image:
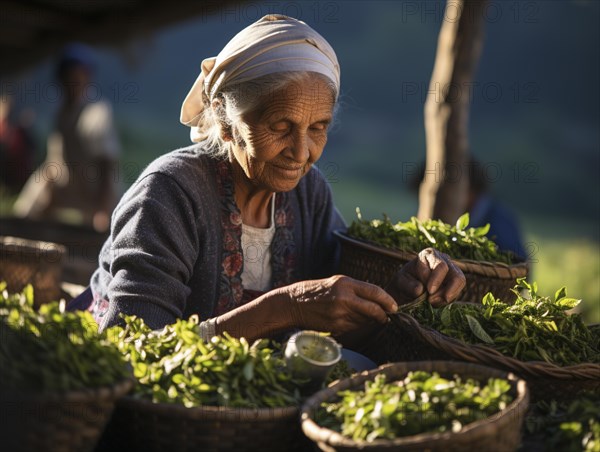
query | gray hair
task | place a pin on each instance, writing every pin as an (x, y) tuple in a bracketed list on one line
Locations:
[(239, 99)]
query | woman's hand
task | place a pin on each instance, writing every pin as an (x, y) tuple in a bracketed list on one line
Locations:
[(347, 308), (431, 271), (338, 304)]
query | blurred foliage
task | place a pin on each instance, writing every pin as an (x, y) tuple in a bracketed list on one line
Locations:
[(7, 200), (573, 262)]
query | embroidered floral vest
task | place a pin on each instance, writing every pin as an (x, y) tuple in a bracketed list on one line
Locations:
[(283, 249), (231, 291)]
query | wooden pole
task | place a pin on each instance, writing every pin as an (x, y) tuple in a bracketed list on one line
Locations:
[(443, 192)]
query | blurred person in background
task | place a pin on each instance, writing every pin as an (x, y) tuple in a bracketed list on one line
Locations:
[(78, 177), (484, 208), (16, 146)]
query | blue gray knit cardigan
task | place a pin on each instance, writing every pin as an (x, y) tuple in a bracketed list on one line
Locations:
[(174, 248)]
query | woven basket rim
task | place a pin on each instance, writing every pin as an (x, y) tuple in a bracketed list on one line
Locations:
[(486, 268), (371, 246), (485, 355), (21, 246), (118, 389), (211, 411), (517, 407)]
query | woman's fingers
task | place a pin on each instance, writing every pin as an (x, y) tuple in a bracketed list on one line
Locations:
[(375, 294), (422, 267), (439, 271), (366, 310), (454, 283), (404, 287), (360, 300), (431, 269), (442, 278), (340, 304)]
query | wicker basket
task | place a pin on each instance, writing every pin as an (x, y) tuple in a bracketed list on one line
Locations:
[(392, 344), (32, 262), (66, 422), (377, 265), (143, 425), (501, 432), (544, 379)]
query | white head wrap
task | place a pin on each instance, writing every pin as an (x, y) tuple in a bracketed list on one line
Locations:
[(275, 43)]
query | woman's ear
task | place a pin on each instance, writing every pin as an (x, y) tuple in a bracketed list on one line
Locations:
[(226, 134), (219, 109)]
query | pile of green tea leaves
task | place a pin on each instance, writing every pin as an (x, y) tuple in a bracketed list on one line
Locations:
[(572, 426), (174, 365), (423, 402), (534, 328), (52, 350), (458, 241)]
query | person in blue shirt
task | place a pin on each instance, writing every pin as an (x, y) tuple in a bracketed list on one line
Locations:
[(484, 208)]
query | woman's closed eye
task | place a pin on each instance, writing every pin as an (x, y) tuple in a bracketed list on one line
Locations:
[(281, 126), (320, 126)]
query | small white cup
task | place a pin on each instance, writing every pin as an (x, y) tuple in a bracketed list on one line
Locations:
[(310, 355)]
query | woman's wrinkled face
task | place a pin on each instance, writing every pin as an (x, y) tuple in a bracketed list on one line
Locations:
[(284, 137)]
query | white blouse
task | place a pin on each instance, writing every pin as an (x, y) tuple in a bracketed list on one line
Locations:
[(256, 249)]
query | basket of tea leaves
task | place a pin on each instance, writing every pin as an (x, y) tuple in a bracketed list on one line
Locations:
[(223, 394), (373, 250), (59, 377), (564, 425), (536, 337), (429, 405)]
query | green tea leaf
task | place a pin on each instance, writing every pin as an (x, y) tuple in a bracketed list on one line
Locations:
[(249, 370), (28, 292), (568, 303), (478, 330), (488, 299), (482, 230), (560, 293), (462, 222), (426, 233), (446, 316), (140, 370)]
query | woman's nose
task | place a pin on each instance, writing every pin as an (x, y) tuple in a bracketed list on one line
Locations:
[(300, 149)]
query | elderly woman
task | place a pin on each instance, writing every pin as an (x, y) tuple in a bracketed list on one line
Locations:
[(238, 227)]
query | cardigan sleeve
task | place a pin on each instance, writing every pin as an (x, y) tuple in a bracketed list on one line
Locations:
[(152, 251)]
